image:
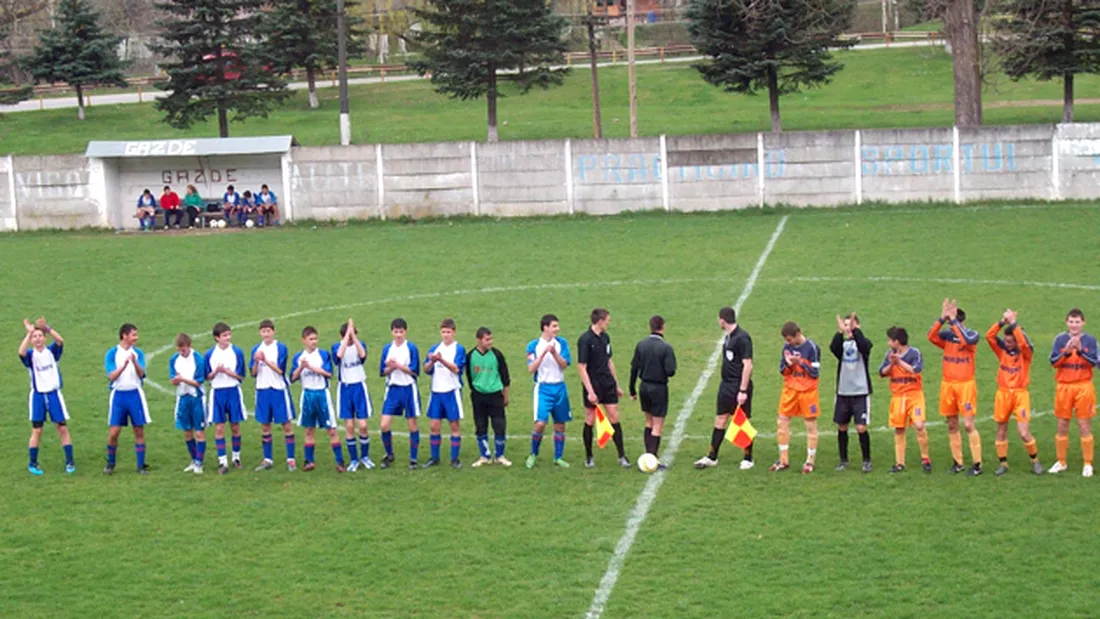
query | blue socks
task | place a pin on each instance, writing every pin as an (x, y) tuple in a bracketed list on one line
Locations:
[(364, 447), (456, 446), (139, 450), (499, 441), (289, 446), (236, 447), (309, 452), (220, 444), (191, 449), (414, 445), (387, 443), (436, 441), (559, 444), (34, 455), (200, 451), (68, 453), (536, 442), (266, 440), (483, 445), (112, 451), (339, 453), (353, 449)]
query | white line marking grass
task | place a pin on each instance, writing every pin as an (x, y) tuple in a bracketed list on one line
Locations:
[(645, 500), (944, 280)]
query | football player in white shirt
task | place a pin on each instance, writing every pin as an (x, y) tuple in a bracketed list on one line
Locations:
[(313, 367), (225, 371), (547, 357), (46, 401), (187, 372), (125, 366), (352, 399), (444, 363), (399, 364), (273, 403)]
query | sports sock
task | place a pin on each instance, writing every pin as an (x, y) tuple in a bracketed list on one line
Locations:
[(456, 447), (483, 445), (435, 440), (656, 444), (956, 446), (587, 435), (717, 435), (191, 448), (387, 443), (290, 445), (1032, 449), (922, 441), (536, 442), (200, 451), (353, 449), (33, 455), (414, 446), (559, 444), (499, 442), (748, 451), (811, 445), (649, 443), (309, 452), (646, 436), (899, 449), (783, 435), (842, 444), (139, 451), (1061, 447), (260, 220), (112, 451), (68, 453), (865, 445), (975, 446), (618, 438), (220, 444), (1002, 450), (1086, 449), (236, 447), (337, 451), (266, 439), (364, 447)]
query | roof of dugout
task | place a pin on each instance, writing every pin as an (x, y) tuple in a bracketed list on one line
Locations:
[(198, 147)]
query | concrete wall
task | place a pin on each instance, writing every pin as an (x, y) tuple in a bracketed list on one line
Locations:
[(689, 173)]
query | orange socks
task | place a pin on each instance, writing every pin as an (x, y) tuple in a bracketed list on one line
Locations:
[(1002, 449), (956, 446), (899, 449), (922, 440), (975, 446), (1086, 449), (1061, 447), (1030, 446)]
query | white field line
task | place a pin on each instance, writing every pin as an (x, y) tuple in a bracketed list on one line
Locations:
[(944, 280), (648, 494), (886, 210), (435, 295)]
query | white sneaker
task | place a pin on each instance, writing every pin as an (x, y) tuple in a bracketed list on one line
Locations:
[(705, 463), (367, 463), (481, 461), (505, 462), (190, 467), (1086, 471), (197, 470), (354, 466), (747, 464), (1057, 467)]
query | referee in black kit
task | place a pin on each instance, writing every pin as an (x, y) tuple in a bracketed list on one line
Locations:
[(735, 389), (654, 362)]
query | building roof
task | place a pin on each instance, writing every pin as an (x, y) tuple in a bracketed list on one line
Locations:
[(198, 147)]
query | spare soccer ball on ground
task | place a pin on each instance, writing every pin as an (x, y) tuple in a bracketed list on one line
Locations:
[(647, 463), (221, 223), (249, 223)]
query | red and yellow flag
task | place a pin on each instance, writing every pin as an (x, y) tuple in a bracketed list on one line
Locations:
[(740, 431), (604, 431)]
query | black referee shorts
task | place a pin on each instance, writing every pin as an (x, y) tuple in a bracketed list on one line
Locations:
[(653, 398), (849, 408), (606, 392), (727, 399)]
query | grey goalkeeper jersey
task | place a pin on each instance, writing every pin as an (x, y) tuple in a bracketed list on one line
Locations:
[(853, 372)]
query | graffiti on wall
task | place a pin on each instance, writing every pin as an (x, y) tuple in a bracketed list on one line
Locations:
[(646, 168)]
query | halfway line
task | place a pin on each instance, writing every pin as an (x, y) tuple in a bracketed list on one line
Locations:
[(649, 491)]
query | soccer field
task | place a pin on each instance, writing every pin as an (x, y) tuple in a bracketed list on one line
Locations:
[(496, 542)]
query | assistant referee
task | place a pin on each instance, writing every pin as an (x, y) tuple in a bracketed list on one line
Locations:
[(654, 362)]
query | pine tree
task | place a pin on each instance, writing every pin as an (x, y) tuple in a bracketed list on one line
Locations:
[(780, 46), (1049, 39), (470, 46), (216, 63), (77, 51), (303, 34)]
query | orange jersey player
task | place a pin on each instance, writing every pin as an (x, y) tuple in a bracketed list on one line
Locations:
[(800, 367), (958, 392), (1073, 355), (1014, 352), (903, 366)]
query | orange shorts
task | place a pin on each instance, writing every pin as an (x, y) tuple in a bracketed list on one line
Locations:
[(1009, 402), (958, 398), (906, 409), (799, 403), (1075, 400)]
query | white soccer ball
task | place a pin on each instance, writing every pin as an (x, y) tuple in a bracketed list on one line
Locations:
[(249, 223), (647, 463), (220, 223)]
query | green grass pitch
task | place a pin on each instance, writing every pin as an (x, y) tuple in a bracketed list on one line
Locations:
[(518, 543)]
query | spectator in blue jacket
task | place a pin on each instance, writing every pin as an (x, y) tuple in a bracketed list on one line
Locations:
[(268, 205), (146, 210)]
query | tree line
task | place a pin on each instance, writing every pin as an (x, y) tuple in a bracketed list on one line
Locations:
[(230, 58)]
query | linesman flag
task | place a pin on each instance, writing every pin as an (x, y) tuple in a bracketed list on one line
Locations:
[(740, 431), (604, 431)]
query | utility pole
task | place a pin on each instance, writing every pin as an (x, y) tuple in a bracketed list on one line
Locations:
[(342, 54), (591, 19), (632, 76)]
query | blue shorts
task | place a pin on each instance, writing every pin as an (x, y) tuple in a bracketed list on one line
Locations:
[(226, 406), (273, 406), (445, 405), (126, 407), (190, 413), (316, 405), (551, 401), (353, 401), (48, 406), (401, 400)]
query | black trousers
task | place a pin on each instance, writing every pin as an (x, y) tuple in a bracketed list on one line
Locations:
[(192, 216), (488, 408)]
